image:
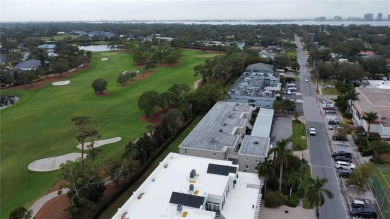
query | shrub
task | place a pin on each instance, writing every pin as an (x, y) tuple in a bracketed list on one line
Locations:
[(293, 200), (274, 199), (367, 152)]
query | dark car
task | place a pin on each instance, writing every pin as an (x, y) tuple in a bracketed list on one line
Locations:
[(342, 158), (344, 173), (365, 212), (339, 138), (342, 153)]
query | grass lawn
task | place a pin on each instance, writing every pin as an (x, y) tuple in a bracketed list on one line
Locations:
[(305, 183), (299, 139), (292, 53), (173, 147), (382, 171), (330, 91), (38, 125)]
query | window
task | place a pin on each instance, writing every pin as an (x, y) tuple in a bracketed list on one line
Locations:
[(246, 166), (214, 154), (246, 158), (258, 160), (185, 151)]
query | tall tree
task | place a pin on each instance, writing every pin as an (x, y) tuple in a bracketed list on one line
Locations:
[(149, 101), (370, 117), (360, 176), (314, 193), (83, 129), (266, 171), (280, 153), (292, 180)]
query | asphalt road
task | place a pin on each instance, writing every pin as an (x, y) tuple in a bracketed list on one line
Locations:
[(320, 159)]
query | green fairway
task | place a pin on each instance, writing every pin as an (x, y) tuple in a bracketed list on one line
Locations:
[(38, 125)]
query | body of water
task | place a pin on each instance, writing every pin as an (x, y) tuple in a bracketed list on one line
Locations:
[(252, 22), (95, 48)]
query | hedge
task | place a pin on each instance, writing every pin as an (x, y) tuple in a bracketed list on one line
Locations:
[(274, 199)]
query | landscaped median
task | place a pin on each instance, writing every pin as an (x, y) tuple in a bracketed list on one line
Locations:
[(299, 140)]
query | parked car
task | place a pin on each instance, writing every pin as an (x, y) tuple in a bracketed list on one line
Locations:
[(365, 212), (292, 88), (306, 80), (339, 138), (344, 173), (332, 127), (344, 165), (342, 153), (343, 158), (289, 92), (312, 131)]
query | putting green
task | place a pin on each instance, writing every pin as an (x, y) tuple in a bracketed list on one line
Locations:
[(38, 125)]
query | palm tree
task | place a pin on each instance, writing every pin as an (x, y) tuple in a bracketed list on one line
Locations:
[(292, 179), (370, 117), (352, 96), (280, 153), (266, 171), (314, 193)]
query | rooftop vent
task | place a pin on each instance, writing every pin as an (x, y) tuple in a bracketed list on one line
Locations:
[(179, 208), (256, 142), (192, 173), (191, 187)]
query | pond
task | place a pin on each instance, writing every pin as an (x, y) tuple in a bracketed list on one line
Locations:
[(95, 48)]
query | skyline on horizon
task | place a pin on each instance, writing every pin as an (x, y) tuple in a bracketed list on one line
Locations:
[(127, 10)]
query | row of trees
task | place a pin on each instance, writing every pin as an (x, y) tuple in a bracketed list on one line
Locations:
[(149, 56)]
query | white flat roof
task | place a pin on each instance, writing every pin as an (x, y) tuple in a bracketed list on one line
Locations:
[(263, 123), (151, 200), (216, 130)]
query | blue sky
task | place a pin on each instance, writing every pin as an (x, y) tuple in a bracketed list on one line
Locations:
[(76, 10)]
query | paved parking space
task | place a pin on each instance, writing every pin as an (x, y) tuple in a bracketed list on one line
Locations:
[(281, 128)]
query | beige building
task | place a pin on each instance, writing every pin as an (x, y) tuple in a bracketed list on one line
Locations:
[(373, 98)]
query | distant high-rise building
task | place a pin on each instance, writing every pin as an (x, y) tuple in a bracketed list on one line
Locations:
[(337, 18), (368, 17), (379, 17), (388, 17), (320, 19)]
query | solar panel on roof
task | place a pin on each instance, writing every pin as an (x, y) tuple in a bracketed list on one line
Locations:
[(221, 169), (186, 200)]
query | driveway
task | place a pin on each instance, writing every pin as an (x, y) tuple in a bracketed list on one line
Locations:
[(281, 128)]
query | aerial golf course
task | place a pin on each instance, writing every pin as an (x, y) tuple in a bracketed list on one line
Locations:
[(38, 125)]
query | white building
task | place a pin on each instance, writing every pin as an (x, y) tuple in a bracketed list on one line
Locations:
[(193, 187), (373, 98)]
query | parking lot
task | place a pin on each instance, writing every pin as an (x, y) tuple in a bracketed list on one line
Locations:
[(293, 92)]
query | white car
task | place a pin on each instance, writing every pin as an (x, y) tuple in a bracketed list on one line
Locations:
[(289, 92), (292, 88), (312, 131), (345, 165), (306, 80)]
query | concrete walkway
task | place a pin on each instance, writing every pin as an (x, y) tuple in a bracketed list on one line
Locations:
[(100, 143), (286, 212), (42, 201)]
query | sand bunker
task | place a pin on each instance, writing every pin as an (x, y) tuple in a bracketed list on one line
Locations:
[(61, 83), (104, 59), (100, 142), (52, 163)]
